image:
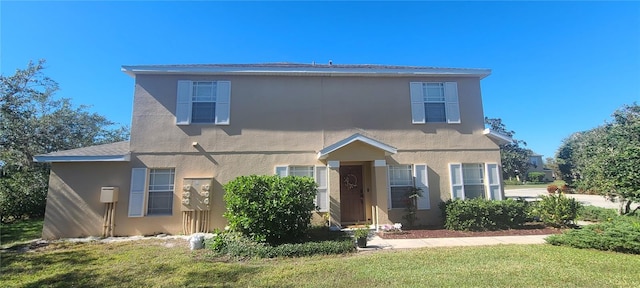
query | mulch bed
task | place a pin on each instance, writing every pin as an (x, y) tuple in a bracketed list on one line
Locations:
[(439, 232)]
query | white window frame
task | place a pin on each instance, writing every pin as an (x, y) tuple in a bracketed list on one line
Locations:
[(419, 101), (323, 191), (419, 178), (139, 192), (151, 189), (491, 181), (221, 97)]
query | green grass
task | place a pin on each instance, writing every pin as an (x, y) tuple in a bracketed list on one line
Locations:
[(152, 263), (20, 231), (558, 183)]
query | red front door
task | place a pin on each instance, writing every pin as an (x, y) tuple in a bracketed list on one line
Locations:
[(351, 194)]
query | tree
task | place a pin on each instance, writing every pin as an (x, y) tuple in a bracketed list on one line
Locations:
[(515, 158), (33, 122), (606, 159)]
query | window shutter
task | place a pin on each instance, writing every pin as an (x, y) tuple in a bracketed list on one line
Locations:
[(136, 195), (183, 105), (417, 103), (282, 171), (493, 181), (223, 102), (457, 183), (451, 102), (422, 182), (322, 199)]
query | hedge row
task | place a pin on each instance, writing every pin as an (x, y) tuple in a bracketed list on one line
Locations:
[(481, 215), (236, 245)]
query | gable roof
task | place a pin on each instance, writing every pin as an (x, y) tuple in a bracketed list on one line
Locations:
[(300, 69), (118, 151), (324, 153)]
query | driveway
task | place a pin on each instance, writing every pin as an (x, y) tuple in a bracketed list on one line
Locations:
[(533, 193)]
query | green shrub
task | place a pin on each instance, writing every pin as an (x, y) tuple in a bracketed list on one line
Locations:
[(622, 234), (481, 215), (557, 210), (597, 214), (270, 209), (237, 245), (535, 177)]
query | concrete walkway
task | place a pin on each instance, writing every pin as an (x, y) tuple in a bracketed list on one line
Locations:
[(376, 243)]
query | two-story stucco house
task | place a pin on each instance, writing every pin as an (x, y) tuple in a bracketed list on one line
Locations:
[(366, 133)]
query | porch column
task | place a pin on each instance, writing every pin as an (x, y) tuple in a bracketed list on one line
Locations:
[(380, 192), (334, 191)]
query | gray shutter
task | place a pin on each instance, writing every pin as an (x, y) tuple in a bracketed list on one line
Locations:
[(417, 103), (493, 181), (422, 182), (223, 102), (457, 183), (136, 195), (451, 102), (183, 105), (322, 199)]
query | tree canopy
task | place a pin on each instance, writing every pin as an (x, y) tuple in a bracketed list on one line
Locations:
[(32, 122), (514, 157), (606, 159)]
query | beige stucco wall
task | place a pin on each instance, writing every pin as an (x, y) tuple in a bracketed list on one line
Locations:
[(274, 121), (73, 201)]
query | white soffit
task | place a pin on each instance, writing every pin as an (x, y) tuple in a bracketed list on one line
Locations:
[(499, 138)]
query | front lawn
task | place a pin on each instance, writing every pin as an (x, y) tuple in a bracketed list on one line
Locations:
[(558, 183), (169, 263)]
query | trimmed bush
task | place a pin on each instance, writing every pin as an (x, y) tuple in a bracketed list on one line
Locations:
[(622, 234), (557, 210), (270, 209), (237, 245), (512, 182), (482, 215), (597, 214), (537, 177), (552, 189)]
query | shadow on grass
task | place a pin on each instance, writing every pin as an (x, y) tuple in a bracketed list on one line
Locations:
[(22, 230)]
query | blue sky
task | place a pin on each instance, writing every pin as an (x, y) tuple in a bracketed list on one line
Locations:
[(558, 67)]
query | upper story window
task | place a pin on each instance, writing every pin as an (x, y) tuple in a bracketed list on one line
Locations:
[(203, 102), (434, 102)]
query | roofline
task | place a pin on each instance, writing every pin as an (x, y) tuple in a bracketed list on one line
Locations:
[(502, 139), (102, 158), (324, 153), (133, 70)]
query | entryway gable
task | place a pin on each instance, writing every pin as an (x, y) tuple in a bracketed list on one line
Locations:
[(356, 148)]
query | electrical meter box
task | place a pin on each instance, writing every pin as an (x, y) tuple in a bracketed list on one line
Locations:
[(109, 194), (196, 194)]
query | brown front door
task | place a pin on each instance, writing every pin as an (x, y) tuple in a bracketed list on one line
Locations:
[(351, 194)]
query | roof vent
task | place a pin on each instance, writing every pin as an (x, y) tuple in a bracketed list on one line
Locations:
[(330, 62)]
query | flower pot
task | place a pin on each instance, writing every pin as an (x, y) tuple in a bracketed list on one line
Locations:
[(361, 242)]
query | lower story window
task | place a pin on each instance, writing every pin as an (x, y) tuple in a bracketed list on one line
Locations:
[(473, 175), (400, 181), (161, 183)]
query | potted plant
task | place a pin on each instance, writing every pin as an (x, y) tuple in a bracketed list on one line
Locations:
[(361, 235)]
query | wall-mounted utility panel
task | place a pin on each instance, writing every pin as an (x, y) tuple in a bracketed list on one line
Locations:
[(109, 194), (196, 194)]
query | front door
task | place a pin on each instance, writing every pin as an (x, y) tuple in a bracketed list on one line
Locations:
[(351, 194)]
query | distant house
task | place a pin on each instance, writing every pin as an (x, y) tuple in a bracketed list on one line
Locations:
[(538, 166), (365, 133)]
